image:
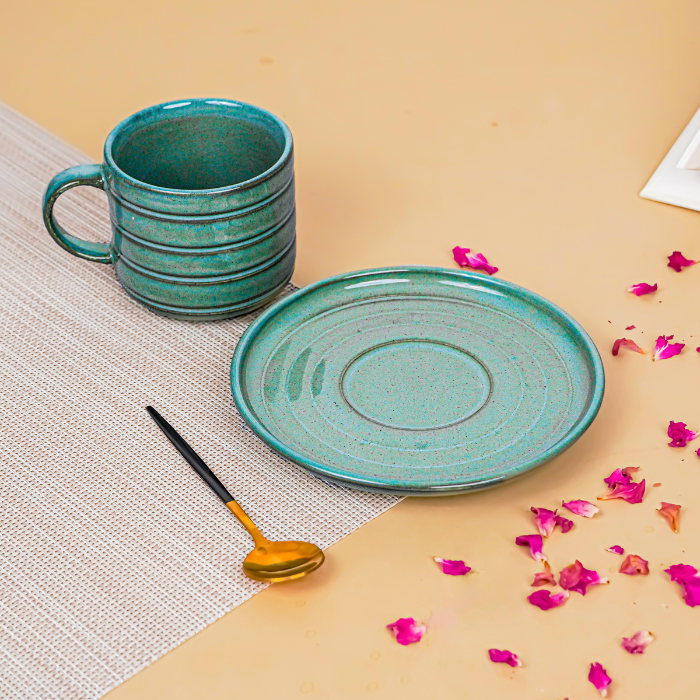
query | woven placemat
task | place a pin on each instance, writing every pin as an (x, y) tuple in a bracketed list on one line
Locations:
[(111, 551)]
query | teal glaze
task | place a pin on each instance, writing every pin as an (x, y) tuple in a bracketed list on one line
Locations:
[(416, 380), (201, 198)]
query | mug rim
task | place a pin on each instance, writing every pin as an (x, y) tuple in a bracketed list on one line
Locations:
[(214, 102)]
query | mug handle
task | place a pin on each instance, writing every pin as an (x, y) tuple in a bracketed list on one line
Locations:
[(90, 175)]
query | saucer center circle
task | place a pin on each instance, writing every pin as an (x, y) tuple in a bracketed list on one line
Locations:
[(416, 385)]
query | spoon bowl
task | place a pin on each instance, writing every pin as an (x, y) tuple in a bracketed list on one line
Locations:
[(275, 562), (272, 562)]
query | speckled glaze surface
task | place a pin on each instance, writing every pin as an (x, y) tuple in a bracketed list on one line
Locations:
[(201, 197), (418, 381)]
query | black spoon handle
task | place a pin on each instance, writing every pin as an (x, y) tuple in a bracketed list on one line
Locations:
[(192, 458)]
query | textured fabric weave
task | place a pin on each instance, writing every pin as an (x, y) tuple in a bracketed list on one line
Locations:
[(112, 551)]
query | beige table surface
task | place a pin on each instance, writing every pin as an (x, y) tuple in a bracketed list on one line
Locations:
[(523, 130)]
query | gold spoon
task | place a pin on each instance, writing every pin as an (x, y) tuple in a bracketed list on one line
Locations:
[(269, 561)]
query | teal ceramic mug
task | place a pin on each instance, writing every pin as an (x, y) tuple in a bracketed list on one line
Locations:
[(201, 198)]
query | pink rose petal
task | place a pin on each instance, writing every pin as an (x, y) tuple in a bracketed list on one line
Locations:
[(686, 576), (564, 523), (478, 261), (621, 476), (637, 643), (544, 578), (544, 520), (672, 513), (630, 328), (677, 261), (577, 578), (616, 549), (632, 493), (535, 544), (664, 349), (634, 565), (681, 572), (460, 255), (464, 258), (691, 589), (600, 679), (618, 477), (680, 435), (627, 343), (406, 630), (583, 508), (544, 600), (452, 567), (642, 288), (504, 657)]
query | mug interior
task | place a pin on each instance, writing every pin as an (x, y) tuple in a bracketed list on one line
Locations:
[(199, 148)]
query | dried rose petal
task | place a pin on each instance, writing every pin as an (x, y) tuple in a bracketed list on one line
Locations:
[(617, 477), (535, 544), (460, 255), (600, 679), (642, 288), (626, 342), (544, 578), (464, 258), (584, 508), (545, 520), (672, 513), (687, 577), (452, 567), (616, 549), (681, 572), (630, 328), (620, 476), (691, 589), (677, 261), (544, 600), (406, 630), (477, 261), (564, 523), (632, 493), (637, 643), (504, 657), (664, 350), (680, 435), (577, 578), (634, 565)]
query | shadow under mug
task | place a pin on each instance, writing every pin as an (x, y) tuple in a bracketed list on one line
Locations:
[(201, 199)]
